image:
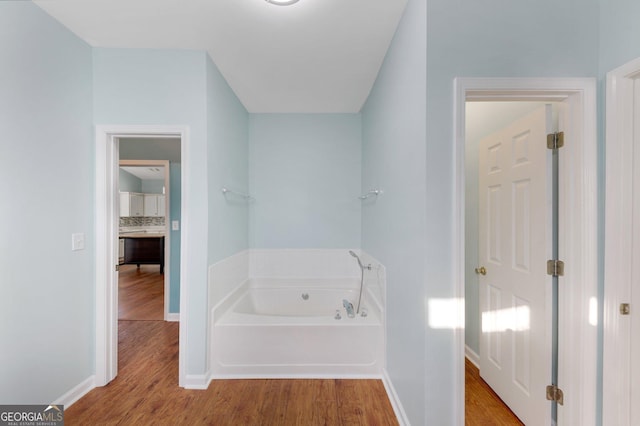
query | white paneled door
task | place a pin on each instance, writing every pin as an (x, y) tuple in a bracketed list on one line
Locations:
[(515, 239)]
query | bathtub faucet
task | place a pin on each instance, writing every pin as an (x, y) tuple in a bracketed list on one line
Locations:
[(349, 308)]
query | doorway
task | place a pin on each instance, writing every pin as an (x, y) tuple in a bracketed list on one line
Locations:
[(577, 353), (508, 233), (107, 247), (145, 231)]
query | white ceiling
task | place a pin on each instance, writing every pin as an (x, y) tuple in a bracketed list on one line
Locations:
[(145, 172), (316, 56)]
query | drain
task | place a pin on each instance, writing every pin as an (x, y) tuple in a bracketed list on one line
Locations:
[(305, 296)]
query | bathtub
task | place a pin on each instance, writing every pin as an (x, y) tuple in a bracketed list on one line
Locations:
[(289, 328)]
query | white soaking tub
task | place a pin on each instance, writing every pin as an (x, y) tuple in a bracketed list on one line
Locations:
[(289, 328)]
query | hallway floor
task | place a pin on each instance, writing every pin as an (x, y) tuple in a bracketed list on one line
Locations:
[(140, 293), (483, 407)]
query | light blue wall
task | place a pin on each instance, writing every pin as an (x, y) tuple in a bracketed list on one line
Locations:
[(475, 39), (170, 87), (394, 228), (228, 156), (305, 177), (167, 87), (128, 182), (46, 184), (175, 191), (152, 186), (619, 34)]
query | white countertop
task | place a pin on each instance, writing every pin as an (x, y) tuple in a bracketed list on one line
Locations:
[(142, 235), (142, 232)]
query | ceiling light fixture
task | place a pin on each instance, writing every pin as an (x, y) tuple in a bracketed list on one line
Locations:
[(282, 2)]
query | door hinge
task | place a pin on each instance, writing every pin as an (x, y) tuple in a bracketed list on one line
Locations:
[(117, 268), (555, 140), (555, 268), (554, 393), (625, 309)]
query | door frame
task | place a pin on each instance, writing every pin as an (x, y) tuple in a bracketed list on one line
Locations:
[(618, 261), (167, 228), (106, 249), (577, 367)]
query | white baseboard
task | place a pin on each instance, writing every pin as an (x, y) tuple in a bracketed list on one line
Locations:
[(197, 381), (77, 392), (395, 401), (293, 376), (173, 317), (472, 356)]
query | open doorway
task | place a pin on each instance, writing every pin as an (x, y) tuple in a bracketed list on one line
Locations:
[(146, 145), (149, 221), (144, 237), (577, 302), (508, 230)]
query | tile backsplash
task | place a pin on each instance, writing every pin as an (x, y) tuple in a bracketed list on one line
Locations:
[(141, 221)]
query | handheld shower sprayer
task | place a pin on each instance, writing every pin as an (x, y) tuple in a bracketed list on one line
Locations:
[(362, 268), (357, 258)]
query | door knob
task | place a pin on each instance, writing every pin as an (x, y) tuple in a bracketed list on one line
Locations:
[(481, 270)]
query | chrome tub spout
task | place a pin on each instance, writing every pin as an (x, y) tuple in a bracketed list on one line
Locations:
[(348, 306)]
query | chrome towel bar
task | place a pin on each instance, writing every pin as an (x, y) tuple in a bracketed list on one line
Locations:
[(226, 191), (372, 193)]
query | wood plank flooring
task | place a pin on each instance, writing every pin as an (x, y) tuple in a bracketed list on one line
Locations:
[(140, 293), (146, 392), (483, 406)]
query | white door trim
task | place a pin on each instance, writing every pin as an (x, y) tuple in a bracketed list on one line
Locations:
[(618, 262), (106, 231), (578, 245)]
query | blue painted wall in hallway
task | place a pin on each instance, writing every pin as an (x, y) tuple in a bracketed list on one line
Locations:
[(394, 227), (46, 182), (166, 87)]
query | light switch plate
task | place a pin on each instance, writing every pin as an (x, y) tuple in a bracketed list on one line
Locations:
[(77, 241), (175, 225)]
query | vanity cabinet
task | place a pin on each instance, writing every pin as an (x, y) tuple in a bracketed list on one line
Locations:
[(131, 204)]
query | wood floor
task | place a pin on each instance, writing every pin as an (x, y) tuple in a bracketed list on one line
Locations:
[(146, 390), (482, 406), (140, 293)]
